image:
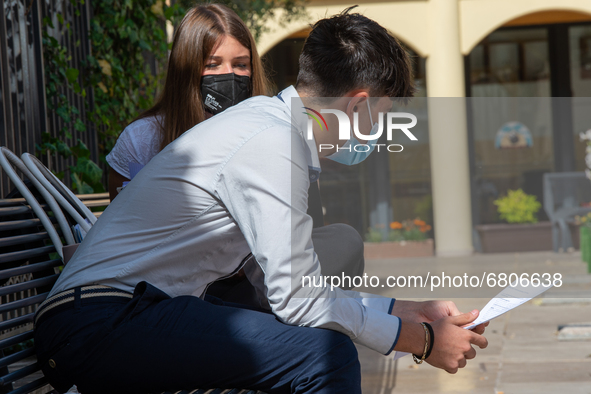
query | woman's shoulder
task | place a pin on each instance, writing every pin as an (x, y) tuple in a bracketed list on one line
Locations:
[(143, 135), (144, 127), (138, 143)]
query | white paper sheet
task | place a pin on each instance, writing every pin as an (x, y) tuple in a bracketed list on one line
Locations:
[(509, 298)]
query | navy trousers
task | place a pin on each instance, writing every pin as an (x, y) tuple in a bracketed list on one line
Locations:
[(154, 343)]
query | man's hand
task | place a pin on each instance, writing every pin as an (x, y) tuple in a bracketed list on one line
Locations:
[(453, 344), (429, 311)]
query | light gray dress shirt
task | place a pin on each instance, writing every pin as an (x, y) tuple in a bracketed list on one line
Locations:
[(233, 184)]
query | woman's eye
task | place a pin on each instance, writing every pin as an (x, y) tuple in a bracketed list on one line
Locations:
[(241, 65), (211, 65)]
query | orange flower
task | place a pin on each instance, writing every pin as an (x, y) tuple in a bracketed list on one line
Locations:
[(419, 222), (395, 225), (425, 228)]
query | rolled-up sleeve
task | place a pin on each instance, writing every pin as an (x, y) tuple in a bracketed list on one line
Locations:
[(264, 185)]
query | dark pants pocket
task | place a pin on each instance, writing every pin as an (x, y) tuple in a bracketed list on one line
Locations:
[(59, 369)]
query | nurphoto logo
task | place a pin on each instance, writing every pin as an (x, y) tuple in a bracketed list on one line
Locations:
[(392, 123)]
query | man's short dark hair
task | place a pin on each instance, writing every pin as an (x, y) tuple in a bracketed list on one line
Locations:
[(350, 51)]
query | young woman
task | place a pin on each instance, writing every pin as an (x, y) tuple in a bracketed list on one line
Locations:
[(213, 64)]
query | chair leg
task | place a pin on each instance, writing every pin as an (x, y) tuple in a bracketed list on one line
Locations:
[(555, 236)]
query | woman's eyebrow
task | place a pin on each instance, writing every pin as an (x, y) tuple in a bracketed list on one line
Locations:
[(246, 57)]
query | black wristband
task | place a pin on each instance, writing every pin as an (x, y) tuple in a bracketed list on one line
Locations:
[(431, 340)]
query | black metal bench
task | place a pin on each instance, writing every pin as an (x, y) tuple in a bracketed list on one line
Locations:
[(29, 266), (33, 230)]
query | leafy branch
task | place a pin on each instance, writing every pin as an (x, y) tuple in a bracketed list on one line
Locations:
[(124, 36), (60, 78)]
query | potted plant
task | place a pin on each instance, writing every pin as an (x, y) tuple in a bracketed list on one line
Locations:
[(584, 223), (409, 238), (522, 232)]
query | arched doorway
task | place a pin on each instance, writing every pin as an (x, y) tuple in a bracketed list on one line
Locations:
[(541, 64), (281, 62)]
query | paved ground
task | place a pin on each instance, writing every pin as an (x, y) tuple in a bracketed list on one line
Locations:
[(524, 354)]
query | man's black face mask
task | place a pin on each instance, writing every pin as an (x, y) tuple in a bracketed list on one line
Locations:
[(220, 92)]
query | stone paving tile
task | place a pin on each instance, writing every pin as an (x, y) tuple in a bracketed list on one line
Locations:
[(541, 372), (545, 387)]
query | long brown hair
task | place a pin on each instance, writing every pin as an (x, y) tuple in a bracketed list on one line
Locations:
[(180, 105)]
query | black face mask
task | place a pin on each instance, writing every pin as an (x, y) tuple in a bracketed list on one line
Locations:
[(220, 92)]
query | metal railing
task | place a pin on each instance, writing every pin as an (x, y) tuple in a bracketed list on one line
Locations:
[(24, 114)]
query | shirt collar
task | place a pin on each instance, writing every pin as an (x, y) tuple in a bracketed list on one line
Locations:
[(299, 120)]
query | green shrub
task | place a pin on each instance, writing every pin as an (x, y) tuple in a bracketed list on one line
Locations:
[(395, 236), (373, 235), (518, 207)]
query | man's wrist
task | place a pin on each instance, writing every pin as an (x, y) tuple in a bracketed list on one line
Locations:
[(406, 310), (412, 338), (398, 308)]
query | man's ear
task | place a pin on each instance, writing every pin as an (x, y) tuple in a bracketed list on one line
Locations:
[(357, 98)]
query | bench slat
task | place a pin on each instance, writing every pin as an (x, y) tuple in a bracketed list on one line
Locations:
[(30, 268), (19, 374), (11, 211), (37, 299), (17, 321), (19, 224), (13, 340), (26, 254), (93, 196), (9, 202), (215, 391), (97, 203), (30, 387), (23, 239), (30, 284), (6, 361)]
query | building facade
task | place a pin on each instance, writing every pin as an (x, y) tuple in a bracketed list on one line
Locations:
[(524, 65)]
